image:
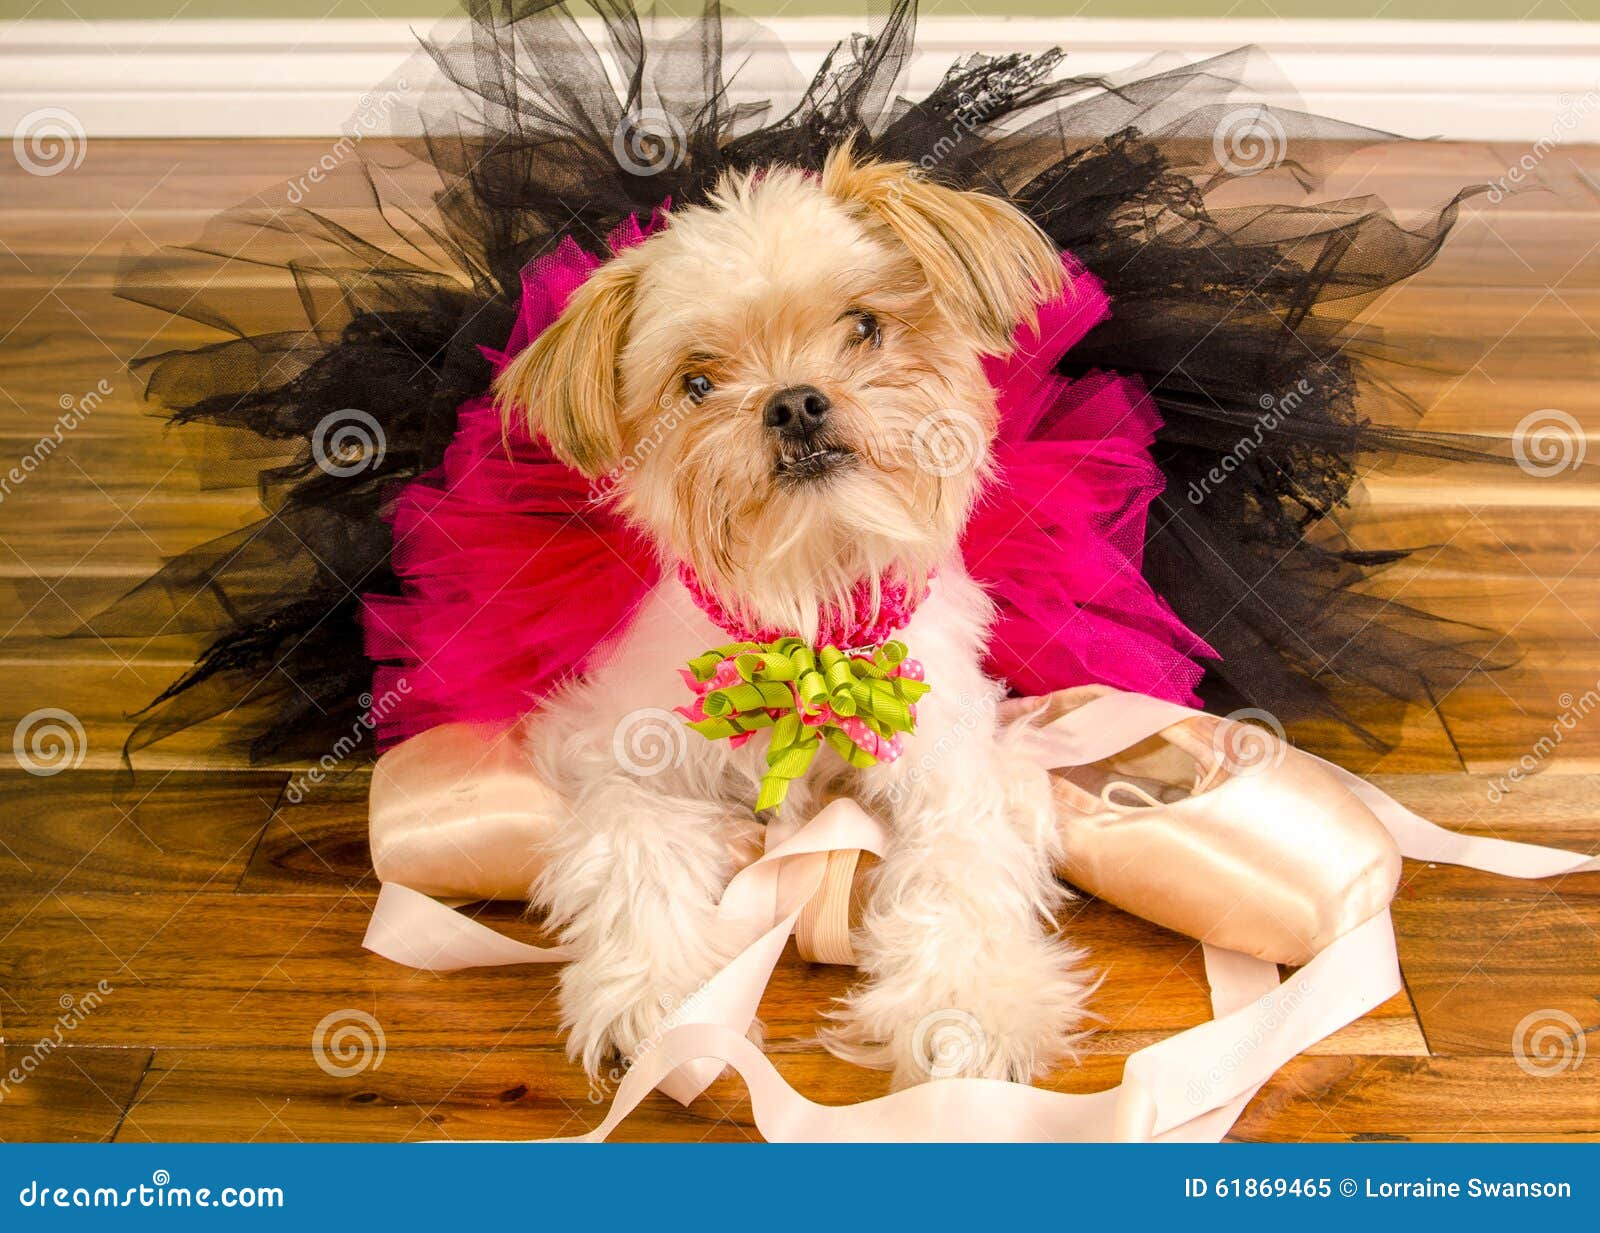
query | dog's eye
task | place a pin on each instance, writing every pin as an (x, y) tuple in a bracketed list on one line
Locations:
[(697, 386), (864, 328)]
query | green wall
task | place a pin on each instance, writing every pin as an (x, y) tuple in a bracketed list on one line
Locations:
[(1507, 10)]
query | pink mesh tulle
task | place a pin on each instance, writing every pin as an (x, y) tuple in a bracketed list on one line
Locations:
[(1058, 536), (517, 579)]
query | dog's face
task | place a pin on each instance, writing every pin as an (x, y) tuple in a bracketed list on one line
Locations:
[(783, 387)]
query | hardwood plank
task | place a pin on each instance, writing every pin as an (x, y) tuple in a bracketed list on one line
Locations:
[(66, 1094), (102, 696), (89, 830), (1320, 1099), (128, 531), (1468, 400), (318, 845), (1482, 971), (76, 343), (1538, 721), (42, 616), (1417, 738), (1390, 1030), (130, 463), (1554, 809), (1529, 539), (139, 175), (1557, 809)]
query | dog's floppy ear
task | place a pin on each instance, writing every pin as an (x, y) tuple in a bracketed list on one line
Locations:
[(564, 385), (989, 264)]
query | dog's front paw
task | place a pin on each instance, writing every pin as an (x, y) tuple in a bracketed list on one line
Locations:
[(607, 1017), (1013, 1021), (615, 1013)]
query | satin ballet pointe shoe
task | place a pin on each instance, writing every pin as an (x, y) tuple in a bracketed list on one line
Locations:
[(458, 812), (1221, 831)]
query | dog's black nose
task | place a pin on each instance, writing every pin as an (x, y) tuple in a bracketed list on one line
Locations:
[(797, 411)]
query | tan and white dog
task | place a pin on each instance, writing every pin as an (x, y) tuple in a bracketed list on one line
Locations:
[(769, 366)]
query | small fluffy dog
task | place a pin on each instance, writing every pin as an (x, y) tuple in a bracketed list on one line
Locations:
[(760, 379)]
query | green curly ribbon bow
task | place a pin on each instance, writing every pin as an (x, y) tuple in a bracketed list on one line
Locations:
[(860, 704)]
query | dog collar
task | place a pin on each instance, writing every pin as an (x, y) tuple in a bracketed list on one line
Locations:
[(862, 626), (854, 689)]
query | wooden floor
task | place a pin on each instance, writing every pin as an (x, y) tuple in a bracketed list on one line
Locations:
[(197, 931)]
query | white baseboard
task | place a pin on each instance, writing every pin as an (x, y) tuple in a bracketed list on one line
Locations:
[(1510, 81)]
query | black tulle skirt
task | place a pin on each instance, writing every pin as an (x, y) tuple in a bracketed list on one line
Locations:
[(376, 283)]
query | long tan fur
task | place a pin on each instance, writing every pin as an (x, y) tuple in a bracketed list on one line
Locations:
[(988, 262), (564, 386)]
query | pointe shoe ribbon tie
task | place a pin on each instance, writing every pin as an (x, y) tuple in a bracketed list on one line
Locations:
[(1216, 829)]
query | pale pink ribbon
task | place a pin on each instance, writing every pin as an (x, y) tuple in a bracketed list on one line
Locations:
[(1190, 1087)]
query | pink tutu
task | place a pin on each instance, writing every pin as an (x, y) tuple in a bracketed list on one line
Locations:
[(1058, 537), (517, 576)]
